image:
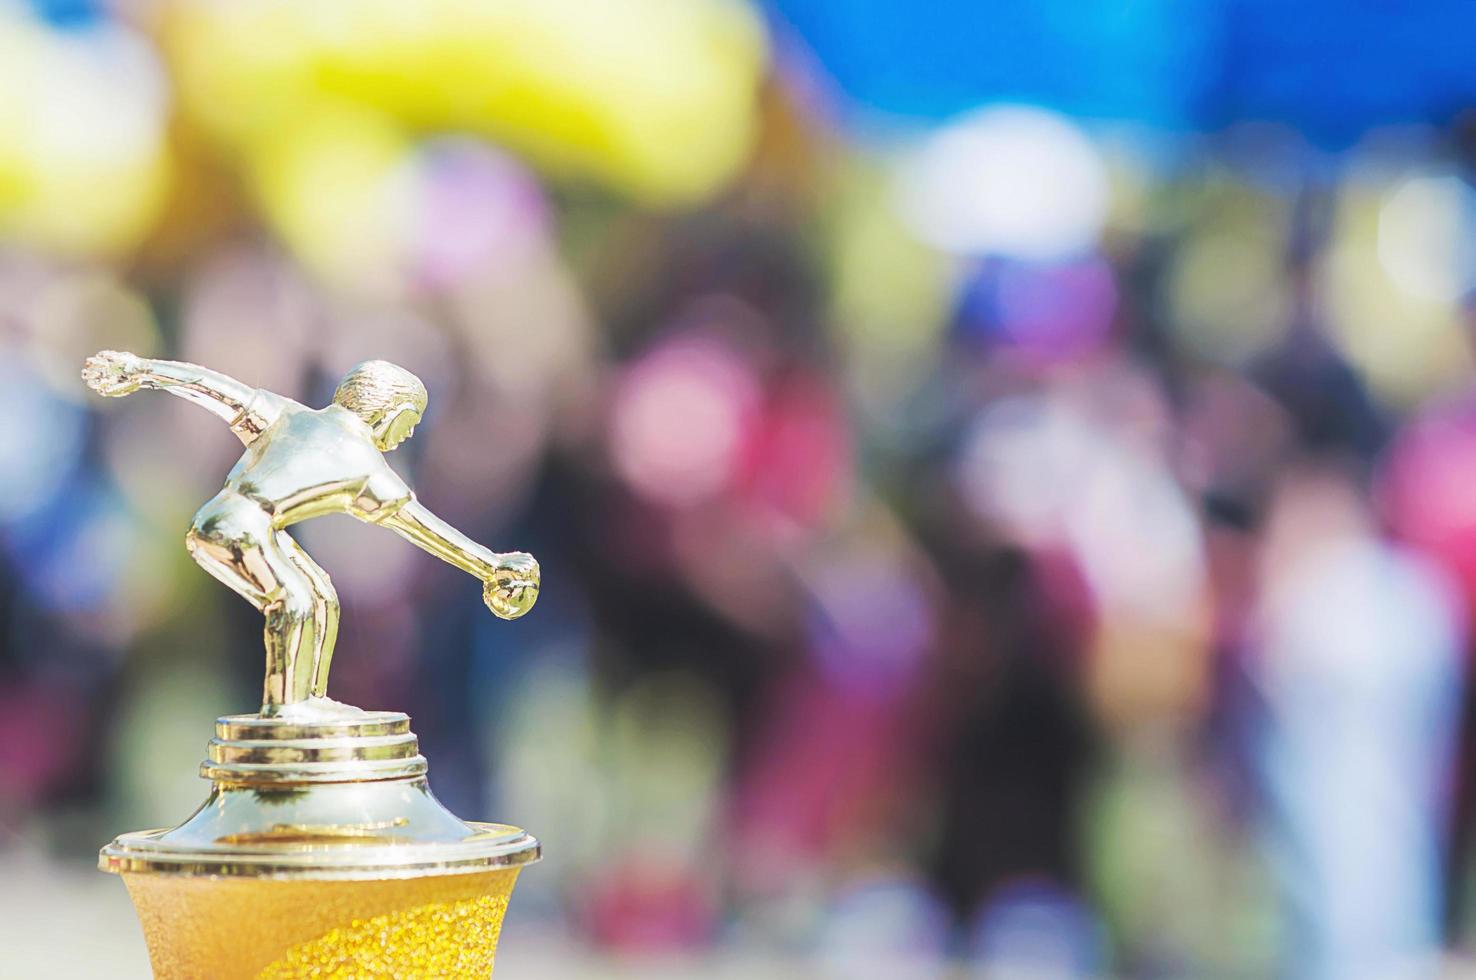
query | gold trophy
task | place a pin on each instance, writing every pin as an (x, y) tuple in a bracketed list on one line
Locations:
[(320, 851)]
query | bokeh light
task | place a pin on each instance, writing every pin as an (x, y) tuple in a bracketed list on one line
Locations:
[(1009, 180), (84, 170), (680, 420)]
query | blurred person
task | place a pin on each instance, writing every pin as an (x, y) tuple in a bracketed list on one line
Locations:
[(1424, 495), (240, 538), (1357, 656)]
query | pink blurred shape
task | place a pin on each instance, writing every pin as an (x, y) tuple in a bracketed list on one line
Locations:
[(681, 417)]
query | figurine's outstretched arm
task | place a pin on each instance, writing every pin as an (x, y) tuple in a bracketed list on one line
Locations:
[(117, 373), (509, 581)]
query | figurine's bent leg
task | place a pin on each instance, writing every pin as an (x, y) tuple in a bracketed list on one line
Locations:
[(232, 538), (325, 611)]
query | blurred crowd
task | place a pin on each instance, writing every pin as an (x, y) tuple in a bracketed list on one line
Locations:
[(988, 536)]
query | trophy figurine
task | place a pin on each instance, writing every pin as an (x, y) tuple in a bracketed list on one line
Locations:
[(320, 851)]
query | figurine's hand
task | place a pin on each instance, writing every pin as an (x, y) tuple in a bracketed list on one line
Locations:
[(513, 586), (114, 373)]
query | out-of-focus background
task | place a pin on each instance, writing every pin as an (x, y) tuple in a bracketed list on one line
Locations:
[(1005, 474)]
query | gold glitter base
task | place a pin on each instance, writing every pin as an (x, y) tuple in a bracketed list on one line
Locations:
[(223, 929)]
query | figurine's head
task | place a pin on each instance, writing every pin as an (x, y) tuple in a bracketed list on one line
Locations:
[(388, 398)]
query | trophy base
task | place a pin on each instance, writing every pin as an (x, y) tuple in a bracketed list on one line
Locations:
[(445, 926), (320, 852)]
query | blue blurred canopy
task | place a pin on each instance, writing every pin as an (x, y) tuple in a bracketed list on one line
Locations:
[(1331, 69)]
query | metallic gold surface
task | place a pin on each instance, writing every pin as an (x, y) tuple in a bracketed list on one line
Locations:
[(302, 463), (369, 746), (335, 799), (445, 926), (320, 851)]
